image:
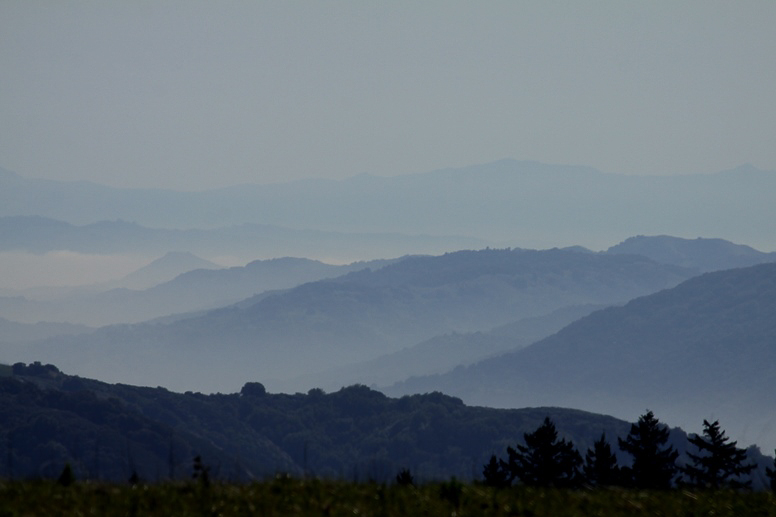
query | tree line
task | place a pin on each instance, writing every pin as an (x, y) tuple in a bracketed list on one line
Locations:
[(108, 432), (545, 461)]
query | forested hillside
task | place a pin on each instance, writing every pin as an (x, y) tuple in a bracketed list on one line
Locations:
[(117, 432), (108, 431)]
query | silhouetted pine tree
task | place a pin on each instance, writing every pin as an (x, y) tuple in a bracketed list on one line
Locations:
[(601, 465), (496, 473), (653, 466), (772, 473), (405, 478), (67, 477), (545, 461), (716, 461)]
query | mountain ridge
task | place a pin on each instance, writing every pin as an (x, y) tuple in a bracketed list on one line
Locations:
[(114, 431), (191, 291), (37, 234), (356, 317), (704, 254), (703, 348), (506, 202)]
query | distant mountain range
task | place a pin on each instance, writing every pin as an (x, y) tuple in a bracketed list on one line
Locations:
[(356, 317), (446, 352), (680, 325), (12, 331), (704, 349), (37, 234), (154, 291), (197, 290), (508, 202)]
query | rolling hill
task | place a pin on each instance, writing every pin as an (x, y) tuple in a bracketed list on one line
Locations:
[(116, 431), (703, 349), (108, 431), (444, 352)]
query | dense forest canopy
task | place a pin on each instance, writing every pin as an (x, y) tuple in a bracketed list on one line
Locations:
[(114, 432)]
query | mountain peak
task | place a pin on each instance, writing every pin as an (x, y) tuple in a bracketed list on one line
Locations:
[(744, 169), (166, 268), (703, 254)]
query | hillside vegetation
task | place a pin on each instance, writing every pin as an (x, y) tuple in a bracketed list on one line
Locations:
[(109, 431), (119, 432), (304, 497)]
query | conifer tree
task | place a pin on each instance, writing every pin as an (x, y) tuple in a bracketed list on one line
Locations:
[(772, 473), (496, 473), (66, 478), (654, 466), (717, 461), (601, 465), (545, 461), (405, 478)]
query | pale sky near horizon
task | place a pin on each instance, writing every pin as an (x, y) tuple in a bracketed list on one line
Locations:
[(192, 95)]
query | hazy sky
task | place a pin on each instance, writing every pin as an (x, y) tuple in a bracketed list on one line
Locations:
[(193, 95)]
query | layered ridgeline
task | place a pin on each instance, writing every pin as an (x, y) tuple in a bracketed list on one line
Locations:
[(181, 282), (196, 290), (35, 234), (13, 331), (444, 352), (121, 432), (356, 317), (704, 349), (514, 202)]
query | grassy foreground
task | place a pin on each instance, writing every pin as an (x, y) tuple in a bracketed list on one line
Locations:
[(285, 496)]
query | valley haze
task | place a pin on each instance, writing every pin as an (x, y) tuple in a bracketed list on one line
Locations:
[(553, 209), (414, 280)]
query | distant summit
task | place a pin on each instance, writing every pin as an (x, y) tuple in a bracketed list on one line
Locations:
[(165, 268), (701, 254)]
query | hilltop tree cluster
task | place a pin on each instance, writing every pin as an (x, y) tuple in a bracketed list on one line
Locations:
[(545, 461)]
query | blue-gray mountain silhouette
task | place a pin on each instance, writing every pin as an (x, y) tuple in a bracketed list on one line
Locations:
[(704, 348)]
